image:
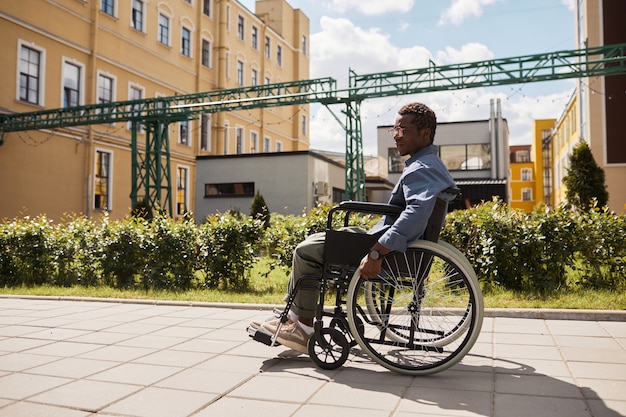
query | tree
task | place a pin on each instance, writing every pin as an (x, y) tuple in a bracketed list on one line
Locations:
[(584, 179), (259, 210)]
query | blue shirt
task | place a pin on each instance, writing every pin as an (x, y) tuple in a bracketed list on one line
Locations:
[(424, 177)]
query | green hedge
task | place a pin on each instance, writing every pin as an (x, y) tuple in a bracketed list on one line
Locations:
[(542, 251)]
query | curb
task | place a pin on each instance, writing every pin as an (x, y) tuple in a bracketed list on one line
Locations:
[(526, 313)]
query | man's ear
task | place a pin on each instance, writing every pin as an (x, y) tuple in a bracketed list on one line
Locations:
[(425, 134)]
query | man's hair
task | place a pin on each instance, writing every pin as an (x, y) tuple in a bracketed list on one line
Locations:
[(424, 117)]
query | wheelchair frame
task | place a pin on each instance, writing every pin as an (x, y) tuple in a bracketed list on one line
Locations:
[(421, 315)]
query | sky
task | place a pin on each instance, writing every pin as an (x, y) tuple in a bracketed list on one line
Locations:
[(370, 36)]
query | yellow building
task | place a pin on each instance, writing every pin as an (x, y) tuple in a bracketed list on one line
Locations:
[(522, 179), (62, 53), (542, 156), (565, 135)]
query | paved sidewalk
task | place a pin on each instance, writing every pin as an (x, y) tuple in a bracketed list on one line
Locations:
[(94, 358)]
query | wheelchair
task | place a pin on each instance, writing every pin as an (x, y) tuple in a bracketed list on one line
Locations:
[(421, 315)]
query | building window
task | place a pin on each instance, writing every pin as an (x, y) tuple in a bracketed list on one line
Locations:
[(185, 42), (205, 133), (466, 157), (183, 132), (181, 190), (102, 180), (395, 162), (266, 144), (255, 37), (71, 84), (105, 89), (304, 46), (254, 142), (279, 146), (241, 27), (108, 7), (279, 55), (239, 72), (227, 64), (137, 15), (164, 29), (206, 53), (254, 77), (527, 194), (30, 76), (135, 93), (206, 7), (239, 139), (268, 48), (229, 189), (522, 156), (527, 174), (303, 124), (267, 80)]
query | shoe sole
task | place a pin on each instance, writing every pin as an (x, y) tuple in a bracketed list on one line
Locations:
[(293, 345)]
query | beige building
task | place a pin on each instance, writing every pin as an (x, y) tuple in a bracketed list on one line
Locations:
[(62, 53), (597, 112)]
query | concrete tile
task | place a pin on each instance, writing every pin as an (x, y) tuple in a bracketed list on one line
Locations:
[(174, 358), (606, 389), (17, 362), (271, 388), (524, 339), (598, 354), (370, 396), (537, 385), (590, 370), (117, 353), (58, 334), (580, 341), (136, 373), (28, 409), (529, 352), (102, 338), (20, 330), (315, 410), (608, 408), (20, 386), (219, 382), (424, 401), (73, 367), (160, 402), (64, 349), (531, 366), (207, 346), (510, 405), (576, 327), (457, 381), (19, 344), (152, 341), (235, 335), (86, 395), (241, 407), (231, 363)]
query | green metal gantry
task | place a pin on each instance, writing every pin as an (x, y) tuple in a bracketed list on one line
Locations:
[(151, 170)]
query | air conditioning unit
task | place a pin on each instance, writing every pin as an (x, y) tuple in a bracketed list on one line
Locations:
[(321, 188)]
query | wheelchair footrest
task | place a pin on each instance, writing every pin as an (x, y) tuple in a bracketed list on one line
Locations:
[(262, 335)]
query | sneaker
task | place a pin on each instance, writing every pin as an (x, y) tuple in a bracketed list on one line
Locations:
[(292, 336), (268, 325)]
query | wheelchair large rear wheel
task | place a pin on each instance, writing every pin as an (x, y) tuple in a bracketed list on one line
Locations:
[(421, 315)]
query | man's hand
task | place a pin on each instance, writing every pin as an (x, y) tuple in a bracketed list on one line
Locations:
[(369, 267)]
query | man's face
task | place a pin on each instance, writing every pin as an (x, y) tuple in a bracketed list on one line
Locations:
[(409, 140)]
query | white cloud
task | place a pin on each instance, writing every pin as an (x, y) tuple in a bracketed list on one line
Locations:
[(460, 10), (570, 4), (369, 7), (468, 53)]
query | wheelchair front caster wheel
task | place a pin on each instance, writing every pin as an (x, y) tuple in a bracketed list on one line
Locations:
[(328, 348)]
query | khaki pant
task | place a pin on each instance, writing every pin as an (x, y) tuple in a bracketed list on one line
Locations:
[(308, 263)]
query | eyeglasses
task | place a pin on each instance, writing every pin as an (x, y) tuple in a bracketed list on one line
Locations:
[(393, 131)]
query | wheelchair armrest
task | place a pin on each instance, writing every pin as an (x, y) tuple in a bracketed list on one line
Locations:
[(371, 208)]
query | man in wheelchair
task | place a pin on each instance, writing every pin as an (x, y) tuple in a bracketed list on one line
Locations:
[(423, 179)]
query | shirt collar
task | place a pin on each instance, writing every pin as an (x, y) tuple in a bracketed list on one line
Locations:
[(430, 149)]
